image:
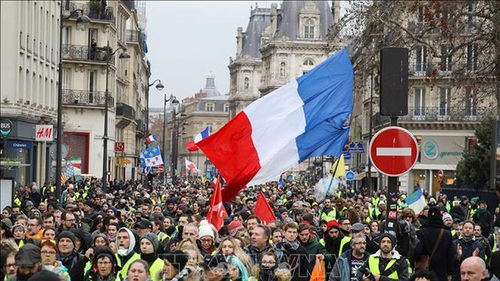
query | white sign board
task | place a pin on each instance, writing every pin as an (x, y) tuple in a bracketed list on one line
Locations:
[(44, 133)]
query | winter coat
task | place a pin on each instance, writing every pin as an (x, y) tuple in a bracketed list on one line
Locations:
[(342, 269), (441, 262), (296, 256)]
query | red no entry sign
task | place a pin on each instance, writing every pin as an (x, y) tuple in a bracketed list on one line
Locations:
[(393, 151)]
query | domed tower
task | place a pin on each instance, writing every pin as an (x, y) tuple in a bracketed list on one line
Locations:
[(210, 88)]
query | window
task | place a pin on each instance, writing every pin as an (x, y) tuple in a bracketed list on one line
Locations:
[(471, 57), (309, 29), (419, 103), (444, 102), (446, 59), (283, 69), (421, 60), (92, 86), (209, 107), (308, 62), (471, 15), (226, 107), (246, 83), (470, 102), (66, 40)]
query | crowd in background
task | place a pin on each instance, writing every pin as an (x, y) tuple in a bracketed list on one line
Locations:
[(128, 231)]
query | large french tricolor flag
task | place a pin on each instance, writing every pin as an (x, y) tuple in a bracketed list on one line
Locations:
[(305, 118)]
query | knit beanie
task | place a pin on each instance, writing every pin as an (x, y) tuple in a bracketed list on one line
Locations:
[(390, 236), (333, 224), (447, 216), (67, 234), (205, 229), (152, 238)]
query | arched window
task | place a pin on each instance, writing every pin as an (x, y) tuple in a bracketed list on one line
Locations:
[(246, 82), (309, 29), (308, 62)]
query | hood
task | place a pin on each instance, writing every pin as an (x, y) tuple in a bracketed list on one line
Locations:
[(395, 254), (132, 240)]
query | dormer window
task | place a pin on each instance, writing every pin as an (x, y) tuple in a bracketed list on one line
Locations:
[(309, 29)]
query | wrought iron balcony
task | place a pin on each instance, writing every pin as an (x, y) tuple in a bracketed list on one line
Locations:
[(141, 127), (125, 110), (86, 53), (133, 35), (93, 9), (85, 98), (439, 114)]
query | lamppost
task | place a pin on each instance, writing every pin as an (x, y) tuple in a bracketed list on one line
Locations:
[(159, 87), (175, 139), (123, 55), (82, 21), (165, 101)]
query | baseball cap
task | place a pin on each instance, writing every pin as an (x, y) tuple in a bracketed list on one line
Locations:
[(143, 224), (28, 255)]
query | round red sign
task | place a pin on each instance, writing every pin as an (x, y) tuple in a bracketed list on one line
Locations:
[(393, 151)]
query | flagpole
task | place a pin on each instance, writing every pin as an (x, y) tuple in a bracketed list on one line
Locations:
[(333, 176)]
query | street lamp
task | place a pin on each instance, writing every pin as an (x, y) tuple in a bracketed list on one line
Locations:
[(81, 21), (123, 55), (165, 101), (159, 87)]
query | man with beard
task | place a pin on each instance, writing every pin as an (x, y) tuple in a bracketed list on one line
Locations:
[(29, 262), (293, 253), (334, 241), (347, 265), (125, 242), (386, 263)]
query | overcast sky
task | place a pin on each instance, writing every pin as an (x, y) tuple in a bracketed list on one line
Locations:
[(187, 39)]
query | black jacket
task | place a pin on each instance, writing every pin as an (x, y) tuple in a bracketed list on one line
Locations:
[(441, 262)]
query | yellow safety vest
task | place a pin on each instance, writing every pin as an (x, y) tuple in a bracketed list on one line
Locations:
[(373, 263), (155, 268), (344, 241), (124, 269)]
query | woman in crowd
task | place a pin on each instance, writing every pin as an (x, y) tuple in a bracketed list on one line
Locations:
[(138, 271), (104, 266), (149, 253), (48, 249), (265, 271), (49, 233), (174, 264), (235, 256)]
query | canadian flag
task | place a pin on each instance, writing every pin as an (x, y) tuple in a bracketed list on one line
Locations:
[(190, 166), (217, 211)]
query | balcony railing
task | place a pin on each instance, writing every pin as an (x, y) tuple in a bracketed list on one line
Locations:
[(454, 113), (93, 9), (85, 98), (141, 126), (133, 35), (86, 53), (125, 110)]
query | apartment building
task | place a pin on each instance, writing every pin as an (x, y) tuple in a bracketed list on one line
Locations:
[(450, 84)]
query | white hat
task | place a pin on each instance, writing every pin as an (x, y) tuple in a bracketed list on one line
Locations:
[(205, 229), (447, 216)]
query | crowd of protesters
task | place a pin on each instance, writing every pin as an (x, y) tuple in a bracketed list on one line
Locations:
[(128, 231)]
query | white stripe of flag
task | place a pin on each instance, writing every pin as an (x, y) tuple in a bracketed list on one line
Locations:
[(393, 151)]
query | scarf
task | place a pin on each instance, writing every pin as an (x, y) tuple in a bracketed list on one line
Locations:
[(481, 211), (150, 258), (69, 261), (293, 245), (467, 239), (267, 273)]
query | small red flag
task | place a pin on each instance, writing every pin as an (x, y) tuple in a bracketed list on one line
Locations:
[(190, 146), (217, 211), (263, 210)]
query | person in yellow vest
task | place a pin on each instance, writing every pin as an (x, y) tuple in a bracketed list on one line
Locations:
[(328, 212), (386, 262), (125, 242), (334, 241), (149, 253)]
